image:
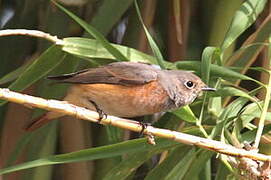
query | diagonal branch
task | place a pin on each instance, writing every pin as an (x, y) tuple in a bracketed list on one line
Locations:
[(85, 114)]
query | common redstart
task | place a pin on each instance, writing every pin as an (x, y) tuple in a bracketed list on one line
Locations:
[(127, 89)]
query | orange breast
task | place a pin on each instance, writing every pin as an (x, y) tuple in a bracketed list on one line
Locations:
[(126, 101)]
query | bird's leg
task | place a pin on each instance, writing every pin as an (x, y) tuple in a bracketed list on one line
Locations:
[(102, 114), (150, 137), (144, 125)]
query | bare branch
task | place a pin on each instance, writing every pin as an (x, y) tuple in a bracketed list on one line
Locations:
[(34, 33), (85, 114)]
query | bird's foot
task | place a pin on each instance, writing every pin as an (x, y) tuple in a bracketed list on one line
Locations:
[(149, 136), (102, 114), (144, 126)]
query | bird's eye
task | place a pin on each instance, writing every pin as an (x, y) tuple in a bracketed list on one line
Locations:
[(189, 84)]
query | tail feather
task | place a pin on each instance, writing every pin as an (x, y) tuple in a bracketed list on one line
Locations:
[(38, 122)]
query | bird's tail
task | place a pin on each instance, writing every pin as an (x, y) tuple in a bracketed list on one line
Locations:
[(41, 120)]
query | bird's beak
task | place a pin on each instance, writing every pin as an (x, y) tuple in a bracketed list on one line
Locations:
[(206, 88)]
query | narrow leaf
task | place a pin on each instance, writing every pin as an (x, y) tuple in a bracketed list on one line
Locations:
[(14, 74), (198, 164), (186, 114), (228, 114), (131, 146), (93, 32), (206, 61), (153, 45), (128, 165), (181, 168), (38, 69), (231, 91), (243, 18), (215, 70), (249, 136), (91, 48), (174, 157)]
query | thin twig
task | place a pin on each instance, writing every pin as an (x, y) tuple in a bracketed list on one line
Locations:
[(34, 33), (85, 114)]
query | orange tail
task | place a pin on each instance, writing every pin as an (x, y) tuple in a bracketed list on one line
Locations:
[(38, 122)]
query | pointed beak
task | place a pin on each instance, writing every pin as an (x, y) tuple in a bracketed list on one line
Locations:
[(206, 88)]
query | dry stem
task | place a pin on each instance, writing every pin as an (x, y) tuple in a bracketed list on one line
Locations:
[(85, 114), (34, 33)]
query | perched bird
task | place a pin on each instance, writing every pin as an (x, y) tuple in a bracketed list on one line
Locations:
[(127, 89)]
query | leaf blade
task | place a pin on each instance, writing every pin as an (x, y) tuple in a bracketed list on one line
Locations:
[(131, 146), (243, 18), (152, 43), (38, 69), (93, 32)]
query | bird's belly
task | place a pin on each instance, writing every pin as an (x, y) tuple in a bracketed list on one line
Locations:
[(127, 101)]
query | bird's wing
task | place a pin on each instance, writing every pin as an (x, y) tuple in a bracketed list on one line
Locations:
[(122, 73)]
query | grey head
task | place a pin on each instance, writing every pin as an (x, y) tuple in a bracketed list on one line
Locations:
[(183, 87)]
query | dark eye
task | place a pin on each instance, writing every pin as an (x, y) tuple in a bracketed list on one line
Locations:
[(189, 84)]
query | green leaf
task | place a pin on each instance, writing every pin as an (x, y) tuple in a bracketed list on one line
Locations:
[(90, 48), (207, 58), (244, 56), (43, 143), (114, 134), (131, 146), (216, 71), (14, 74), (206, 172), (252, 111), (162, 169), (232, 91), (222, 171), (186, 114), (182, 166), (215, 103), (38, 69), (198, 164), (128, 165), (45, 140), (228, 114), (215, 106), (152, 43), (249, 136), (206, 62), (93, 32), (243, 18)]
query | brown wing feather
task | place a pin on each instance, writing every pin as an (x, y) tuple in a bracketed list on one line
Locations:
[(123, 73)]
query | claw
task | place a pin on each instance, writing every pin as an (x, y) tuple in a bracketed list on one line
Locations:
[(102, 114), (150, 137), (144, 126)]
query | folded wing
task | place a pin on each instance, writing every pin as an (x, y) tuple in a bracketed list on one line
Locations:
[(122, 73)]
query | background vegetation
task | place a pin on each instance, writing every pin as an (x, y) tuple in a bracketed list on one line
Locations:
[(226, 42)]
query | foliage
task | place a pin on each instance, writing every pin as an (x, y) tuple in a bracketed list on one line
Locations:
[(226, 63)]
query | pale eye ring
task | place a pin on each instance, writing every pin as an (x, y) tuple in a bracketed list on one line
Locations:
[(189, 84)]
